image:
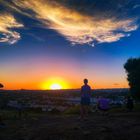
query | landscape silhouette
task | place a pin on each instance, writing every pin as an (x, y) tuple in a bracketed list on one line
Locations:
[(69, 69)]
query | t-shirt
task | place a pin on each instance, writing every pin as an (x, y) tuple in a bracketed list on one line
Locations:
[(85, 91), (103, 103)]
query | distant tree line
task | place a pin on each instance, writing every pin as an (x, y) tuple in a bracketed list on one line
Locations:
[(132, 67)]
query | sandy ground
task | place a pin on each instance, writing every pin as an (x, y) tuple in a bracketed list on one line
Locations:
[(115, 126)]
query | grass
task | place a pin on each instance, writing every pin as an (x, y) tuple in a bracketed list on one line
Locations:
[(73, 110), (10, 114), (39, 125)]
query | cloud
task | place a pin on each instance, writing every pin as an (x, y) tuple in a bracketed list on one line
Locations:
[(7, 23), (78, 22), (136, 6)]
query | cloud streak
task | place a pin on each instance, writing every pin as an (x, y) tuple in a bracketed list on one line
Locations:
[(77, 27), (7, 23)]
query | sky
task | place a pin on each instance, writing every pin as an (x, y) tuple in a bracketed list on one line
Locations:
[(61, 42)]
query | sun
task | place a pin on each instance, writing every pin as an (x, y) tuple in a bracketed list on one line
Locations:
[(55, 86)]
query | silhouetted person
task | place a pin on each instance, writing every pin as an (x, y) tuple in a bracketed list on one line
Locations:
[(85, 99), (129, 103)]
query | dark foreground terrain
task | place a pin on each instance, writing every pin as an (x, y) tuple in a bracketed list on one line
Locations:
[(115, 126)]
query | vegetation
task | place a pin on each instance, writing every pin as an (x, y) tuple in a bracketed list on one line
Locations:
[(1, 85), (132, 67)]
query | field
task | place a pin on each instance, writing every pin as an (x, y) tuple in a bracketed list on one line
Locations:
[(41, 126), (34, 124)]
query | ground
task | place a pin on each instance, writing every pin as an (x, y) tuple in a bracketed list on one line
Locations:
[(116, 125)]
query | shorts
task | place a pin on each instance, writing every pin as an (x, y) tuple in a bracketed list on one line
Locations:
[(85, 101)]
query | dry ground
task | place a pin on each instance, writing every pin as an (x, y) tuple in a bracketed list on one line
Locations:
[(115, 126)]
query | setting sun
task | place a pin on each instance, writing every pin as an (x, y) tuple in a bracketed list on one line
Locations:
[(54, 83), (55, 86)]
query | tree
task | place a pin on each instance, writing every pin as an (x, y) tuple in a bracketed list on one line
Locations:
[(132, 67), (1, 85)]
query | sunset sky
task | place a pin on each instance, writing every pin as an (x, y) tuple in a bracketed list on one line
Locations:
[(46, 42)]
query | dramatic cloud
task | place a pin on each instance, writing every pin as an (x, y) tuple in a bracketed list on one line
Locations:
[(79, 23), (7, 23)]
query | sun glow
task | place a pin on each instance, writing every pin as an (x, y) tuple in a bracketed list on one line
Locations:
[(54, 83), (55, 86)]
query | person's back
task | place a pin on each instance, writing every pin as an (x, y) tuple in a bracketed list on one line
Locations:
[(85, 91)]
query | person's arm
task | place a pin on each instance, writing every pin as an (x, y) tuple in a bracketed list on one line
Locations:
[(90, 91), (81, 91)]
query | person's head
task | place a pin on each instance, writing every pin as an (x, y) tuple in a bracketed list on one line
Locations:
[(85, 81)]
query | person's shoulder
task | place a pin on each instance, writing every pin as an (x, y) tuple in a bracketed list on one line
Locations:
[(88, 86), (82, 86)]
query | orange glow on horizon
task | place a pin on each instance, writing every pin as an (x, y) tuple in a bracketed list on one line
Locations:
[(49, 84), (65, 82)]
